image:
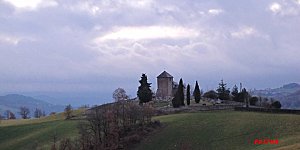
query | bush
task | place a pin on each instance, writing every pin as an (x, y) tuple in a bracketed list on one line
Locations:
[(276, 104), (211, 94)]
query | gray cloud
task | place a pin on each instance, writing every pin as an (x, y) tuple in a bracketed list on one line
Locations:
[(53, 47)]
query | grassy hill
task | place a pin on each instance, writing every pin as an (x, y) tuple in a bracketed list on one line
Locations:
[(224, 130), (36, 133), (202, 130)]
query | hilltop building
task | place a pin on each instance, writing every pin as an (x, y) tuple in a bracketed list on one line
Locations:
[(166, 87)]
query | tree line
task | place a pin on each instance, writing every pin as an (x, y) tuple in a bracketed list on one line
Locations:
[(145, 95), (24, 112)]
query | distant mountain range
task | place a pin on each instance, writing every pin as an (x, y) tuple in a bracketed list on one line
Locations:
[(288, 95), (13, 102)]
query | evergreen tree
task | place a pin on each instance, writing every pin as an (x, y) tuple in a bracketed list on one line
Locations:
[(197, 94), (178, 99), (181, 92), (144, 92), (188, 95), (223, 92), (235, 93), (244, 96)]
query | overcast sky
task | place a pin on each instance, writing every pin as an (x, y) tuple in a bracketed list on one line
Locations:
[(100, 45)]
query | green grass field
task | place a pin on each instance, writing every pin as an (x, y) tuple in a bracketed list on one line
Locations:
[(23, 134), (202, 130), (224, 130)]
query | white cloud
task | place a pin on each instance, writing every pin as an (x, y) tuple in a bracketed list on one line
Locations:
[(286, 8), (275, 7), (9, 40), (32, 4), (243, 32), (148, 32), (96, 7), (215, 11), (247, 31), (139, 3), (86, 6), (14, 40)]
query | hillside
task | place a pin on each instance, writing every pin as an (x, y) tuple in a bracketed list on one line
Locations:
[(30, 134), (201, 130), (288, 95), (224, 130), (13, 102)]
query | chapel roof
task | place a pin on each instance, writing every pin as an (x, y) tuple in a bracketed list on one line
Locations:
[(165, 75)]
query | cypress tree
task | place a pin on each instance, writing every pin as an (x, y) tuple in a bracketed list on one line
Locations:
[(188, 95), (144, 92), (197, 94), (178, 99), (181, 92)]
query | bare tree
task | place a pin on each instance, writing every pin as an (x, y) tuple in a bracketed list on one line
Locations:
[(38, 113), (54, 137), (44, 114), (24, 112), (66, 144), (9, 115), (68, 111), (120, 95)]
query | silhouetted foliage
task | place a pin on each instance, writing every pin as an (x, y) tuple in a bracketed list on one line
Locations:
[(188, 95), (245, 96), (68, 111), (181, 91), (197, 93), (276, 104), (24, 112), (66, 144), (178, 99), (38, 113), (9, 115), (1, 117), (242, 96), (223, 92), (104, 127), (43, 114), (235, 93), (144, 92), (52, 113), (120, 95), (253, 100), (266, 103), (211, 94)]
